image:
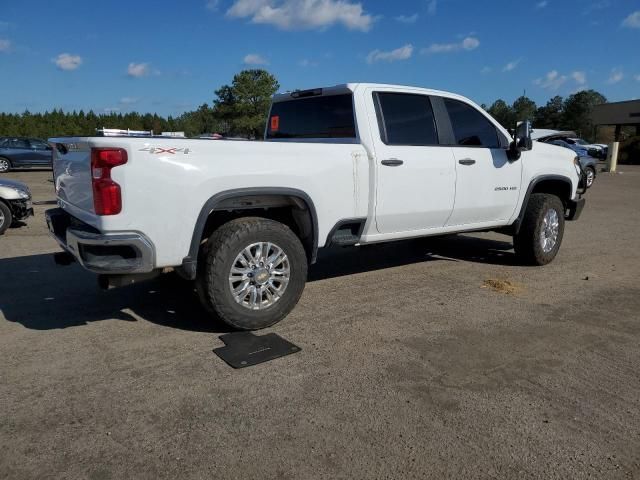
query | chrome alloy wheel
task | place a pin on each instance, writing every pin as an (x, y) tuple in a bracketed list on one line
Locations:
[(590, 177), (259, 275), (550, 230), (4, 165), (2, 219)]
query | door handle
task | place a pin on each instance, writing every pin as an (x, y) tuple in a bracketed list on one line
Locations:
[(392, 162), (466, 161)]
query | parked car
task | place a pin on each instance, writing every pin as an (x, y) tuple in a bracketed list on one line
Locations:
[(589, 164), (593, 149), (18, 152), (15, 203), (353, 164)]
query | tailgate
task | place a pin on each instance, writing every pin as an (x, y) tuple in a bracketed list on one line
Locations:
[(72, 173)]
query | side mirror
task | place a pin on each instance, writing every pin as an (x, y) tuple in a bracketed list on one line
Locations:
[(521, 140)]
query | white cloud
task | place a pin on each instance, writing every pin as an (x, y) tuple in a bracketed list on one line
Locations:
[(5, 45), (486, 70), (407, 18), (68, 62), (509, 67), (637, 77), (255, 59), (128, 100), (595, 6), (212, 5), (402, 53), (616, 76), (432, 7), (579, 77), (469, 43), (138, 70), (552, 80), (632, 21), (305, 62), (303, 14), (542, 4)]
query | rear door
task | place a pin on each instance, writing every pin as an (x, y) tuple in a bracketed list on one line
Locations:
[(415, 176), (488, 184), (40, 152)]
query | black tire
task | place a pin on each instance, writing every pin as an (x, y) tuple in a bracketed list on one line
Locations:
[(218, 256), (590, 176), (528, 243), (5, 165), (6, 218)]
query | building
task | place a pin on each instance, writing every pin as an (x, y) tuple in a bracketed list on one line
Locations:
[(617, 114)]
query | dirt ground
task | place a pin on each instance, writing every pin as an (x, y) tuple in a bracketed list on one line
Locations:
[(424, 359)]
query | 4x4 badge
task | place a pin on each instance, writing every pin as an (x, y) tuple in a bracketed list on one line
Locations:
[(161, 150)]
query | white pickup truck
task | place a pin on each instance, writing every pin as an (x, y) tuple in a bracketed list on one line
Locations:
[(353, 164)]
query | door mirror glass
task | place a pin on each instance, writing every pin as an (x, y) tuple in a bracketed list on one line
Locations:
[(522, 141), (523, 136)]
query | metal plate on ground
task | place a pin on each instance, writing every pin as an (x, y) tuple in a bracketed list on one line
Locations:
[(243, 349)]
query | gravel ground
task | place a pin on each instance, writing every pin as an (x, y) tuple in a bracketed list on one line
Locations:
[(415, 363)]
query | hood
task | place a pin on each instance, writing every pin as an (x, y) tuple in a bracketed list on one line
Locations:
[(8, 189)]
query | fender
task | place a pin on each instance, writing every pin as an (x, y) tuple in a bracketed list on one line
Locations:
[(189, 263), (515, 226)]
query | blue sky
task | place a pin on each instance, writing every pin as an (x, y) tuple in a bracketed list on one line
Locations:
[(168, 57)]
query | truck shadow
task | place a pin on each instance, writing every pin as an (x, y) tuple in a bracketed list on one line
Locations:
[(42, 296)]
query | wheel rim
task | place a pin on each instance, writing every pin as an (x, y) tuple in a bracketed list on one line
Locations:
[(1, 219), (4, 165), (259, 275), (550, 230), (590, 176)]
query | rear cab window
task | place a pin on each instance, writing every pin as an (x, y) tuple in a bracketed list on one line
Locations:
[(318, 117)]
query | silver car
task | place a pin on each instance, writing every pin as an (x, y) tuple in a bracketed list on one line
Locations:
[(15, 203)]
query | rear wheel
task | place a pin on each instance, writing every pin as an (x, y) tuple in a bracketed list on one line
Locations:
[(251, 272), (6, 218), (5, 165), (542, 229)]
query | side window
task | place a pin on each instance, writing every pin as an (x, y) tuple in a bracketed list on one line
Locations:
[(406, 119), (18, 143), (38, 144), (470, 127)]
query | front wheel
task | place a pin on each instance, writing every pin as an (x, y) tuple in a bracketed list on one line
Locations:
[(542, 229), (591, 176), (251, 272), (5, 165), (6, 218)]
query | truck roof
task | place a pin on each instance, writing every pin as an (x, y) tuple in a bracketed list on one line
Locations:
[(352, 87)]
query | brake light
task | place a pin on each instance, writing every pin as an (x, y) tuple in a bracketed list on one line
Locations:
[(107, 198)]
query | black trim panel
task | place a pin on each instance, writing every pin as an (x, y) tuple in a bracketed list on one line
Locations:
[(190, 262), (518, 222), (361, 221)]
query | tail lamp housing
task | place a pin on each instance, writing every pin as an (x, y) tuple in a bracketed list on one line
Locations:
[(107, 197)]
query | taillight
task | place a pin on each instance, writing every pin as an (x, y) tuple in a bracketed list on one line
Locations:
[(107, 199)]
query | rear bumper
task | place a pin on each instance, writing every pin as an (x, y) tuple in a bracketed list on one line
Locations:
[(113, 253)]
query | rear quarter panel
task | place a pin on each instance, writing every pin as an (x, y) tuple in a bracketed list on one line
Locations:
[(166, 183)]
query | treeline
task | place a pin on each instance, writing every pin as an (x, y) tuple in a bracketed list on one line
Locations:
[(572, 113), (239, 109)]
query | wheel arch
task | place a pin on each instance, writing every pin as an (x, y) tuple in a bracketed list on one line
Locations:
[(254, 201), (558, 185)]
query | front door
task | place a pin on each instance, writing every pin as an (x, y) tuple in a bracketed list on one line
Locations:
[(488, 184), (415, 176)]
